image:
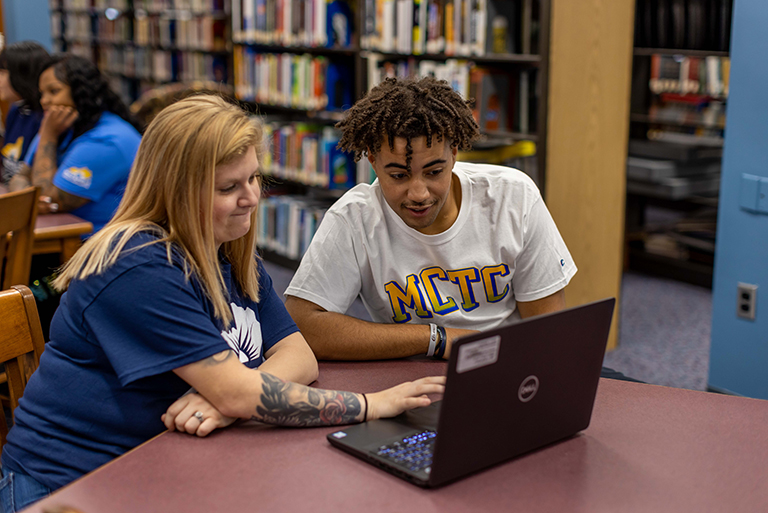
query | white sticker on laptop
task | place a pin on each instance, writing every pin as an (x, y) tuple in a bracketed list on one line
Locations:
[(478, 354)]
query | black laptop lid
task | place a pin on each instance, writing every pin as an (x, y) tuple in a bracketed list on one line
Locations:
[(519, 387)]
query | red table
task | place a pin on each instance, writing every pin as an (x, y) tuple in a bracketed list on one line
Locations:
[(648, 449), (59, 233)]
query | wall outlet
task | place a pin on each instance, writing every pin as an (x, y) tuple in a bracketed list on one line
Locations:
[(746, 301)]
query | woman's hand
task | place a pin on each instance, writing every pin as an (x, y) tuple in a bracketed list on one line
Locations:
[(46, 205), (406, 396), (181, 416), (56, 120)]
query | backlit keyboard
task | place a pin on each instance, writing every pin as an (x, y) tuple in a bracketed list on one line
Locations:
[(413, 452)]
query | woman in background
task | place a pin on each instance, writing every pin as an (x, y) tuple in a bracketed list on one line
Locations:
[(20, 67), (170, 294), (86, 144)]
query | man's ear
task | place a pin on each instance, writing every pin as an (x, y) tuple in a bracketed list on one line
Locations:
[(371, 156)]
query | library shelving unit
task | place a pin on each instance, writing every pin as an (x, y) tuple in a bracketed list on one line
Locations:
[(679, 95), (576, 83), (141, 44), (302, 62), (551, 87)]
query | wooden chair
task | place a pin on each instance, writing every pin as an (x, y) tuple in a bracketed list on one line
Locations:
[(18, 214), (21, 344)]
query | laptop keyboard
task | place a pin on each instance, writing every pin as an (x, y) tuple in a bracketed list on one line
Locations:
[(413, 452)]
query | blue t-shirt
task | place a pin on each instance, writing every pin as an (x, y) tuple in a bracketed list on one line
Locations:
[(21, 127), (105, 378), (95, 166)]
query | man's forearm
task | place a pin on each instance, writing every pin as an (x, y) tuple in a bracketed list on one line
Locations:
[(334, 336)]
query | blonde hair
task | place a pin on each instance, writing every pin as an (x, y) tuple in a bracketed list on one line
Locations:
[(170, 191)]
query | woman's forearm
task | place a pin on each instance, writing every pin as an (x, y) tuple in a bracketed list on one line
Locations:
[(291, 359), (291, 404), (44, 166), (237, 391)]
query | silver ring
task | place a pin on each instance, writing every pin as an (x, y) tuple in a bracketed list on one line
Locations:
[(199, 416)]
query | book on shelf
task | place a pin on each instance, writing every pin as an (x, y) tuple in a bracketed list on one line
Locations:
[(419, 36), (670, 151), (304, 23), (684, 24), (494, 99), (204, 33), (76, 4), (435, 38), (56, 25), (676, 188), (287, 223), (77, 27), (306, 153), (523, 102), (460, 28), (526, 27), (690, 75), (656, 170), (338, 85), (338, 24), (454, 71), (504, 101), (300, 81)]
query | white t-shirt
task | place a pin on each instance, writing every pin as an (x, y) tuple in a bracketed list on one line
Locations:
[(503, 247)]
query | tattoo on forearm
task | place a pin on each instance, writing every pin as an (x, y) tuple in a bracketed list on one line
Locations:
[(218, 358), (290, 404), (44, 167)]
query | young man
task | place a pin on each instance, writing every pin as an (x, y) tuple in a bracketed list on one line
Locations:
[(461, 246)]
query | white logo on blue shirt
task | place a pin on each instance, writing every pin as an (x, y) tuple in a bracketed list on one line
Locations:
[(245, 335), (80, 176)]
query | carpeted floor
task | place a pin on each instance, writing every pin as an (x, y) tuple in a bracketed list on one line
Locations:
[(664, 333)]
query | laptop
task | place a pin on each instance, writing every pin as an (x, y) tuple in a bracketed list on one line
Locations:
[(508, 391)]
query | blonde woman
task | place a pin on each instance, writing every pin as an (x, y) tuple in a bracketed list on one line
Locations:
[(166, 296)]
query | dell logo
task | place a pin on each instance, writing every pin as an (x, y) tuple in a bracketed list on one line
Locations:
[(528, 389)]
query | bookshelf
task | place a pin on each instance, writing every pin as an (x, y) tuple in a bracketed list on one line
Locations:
[(141, 44), (301, 63), (576, 104), (574, 144), (681, 67)]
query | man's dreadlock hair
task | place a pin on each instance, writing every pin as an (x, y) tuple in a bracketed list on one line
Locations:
[(407, 108)]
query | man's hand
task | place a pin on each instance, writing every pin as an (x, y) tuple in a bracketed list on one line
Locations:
[(56, 120)]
